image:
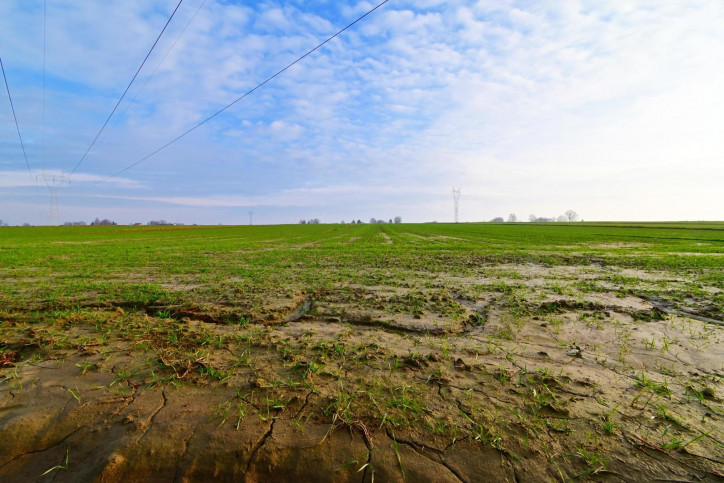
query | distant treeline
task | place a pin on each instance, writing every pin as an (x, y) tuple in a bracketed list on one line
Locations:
[(107, 222), (315, 221), (569, 215)]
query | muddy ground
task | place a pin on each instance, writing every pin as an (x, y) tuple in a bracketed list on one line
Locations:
[(521, 373)]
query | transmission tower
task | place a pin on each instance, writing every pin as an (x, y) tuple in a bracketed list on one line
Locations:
[(456, 199), (53, 182), (251, 213)]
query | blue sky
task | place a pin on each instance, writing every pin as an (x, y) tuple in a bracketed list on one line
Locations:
[(613, 109)]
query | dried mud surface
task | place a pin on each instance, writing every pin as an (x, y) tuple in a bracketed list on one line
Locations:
[(514, 375)]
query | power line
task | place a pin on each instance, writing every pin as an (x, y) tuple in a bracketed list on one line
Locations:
[(135, 96), (7, 87), (269, 79), (42, 135), (128, 87)]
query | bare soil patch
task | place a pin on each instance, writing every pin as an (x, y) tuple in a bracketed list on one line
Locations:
[(505, 377)]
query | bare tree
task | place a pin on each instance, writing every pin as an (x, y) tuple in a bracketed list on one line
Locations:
[(571, 215), (497, 219), (512, 218), (398, 219)]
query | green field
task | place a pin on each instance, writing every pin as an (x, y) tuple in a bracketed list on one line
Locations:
[(474, 352), (54, 266)]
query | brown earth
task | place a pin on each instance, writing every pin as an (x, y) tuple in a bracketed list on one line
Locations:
[(449, 381)]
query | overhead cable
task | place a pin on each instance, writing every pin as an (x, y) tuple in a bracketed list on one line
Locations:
[(269, 79), (7, 87), (165, 55), (128, 87), (42, 135)]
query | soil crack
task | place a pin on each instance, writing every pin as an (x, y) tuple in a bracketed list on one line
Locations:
[(507, 458), (147, 425), (127, 401), (42, 450), (259, 444), (306, 402), (439, 460), (369, 461)]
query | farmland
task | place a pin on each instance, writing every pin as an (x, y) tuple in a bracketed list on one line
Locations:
[(439, 352)]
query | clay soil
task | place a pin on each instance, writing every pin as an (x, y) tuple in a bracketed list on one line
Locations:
[(465, 369)]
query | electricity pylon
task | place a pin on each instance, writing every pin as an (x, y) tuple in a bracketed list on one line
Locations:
[(53, 182), (456, 199)]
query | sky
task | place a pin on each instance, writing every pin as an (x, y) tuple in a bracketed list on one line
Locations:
[(614, 109)]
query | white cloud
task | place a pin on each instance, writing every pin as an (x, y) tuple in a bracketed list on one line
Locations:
[(300, 197), (286, 131), (524, 103), (23, 179)]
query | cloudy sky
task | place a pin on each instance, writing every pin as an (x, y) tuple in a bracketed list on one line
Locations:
[(614, 109)]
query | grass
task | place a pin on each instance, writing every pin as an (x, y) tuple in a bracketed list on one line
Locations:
[(62, 466), (209, 307), (661, 388)]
